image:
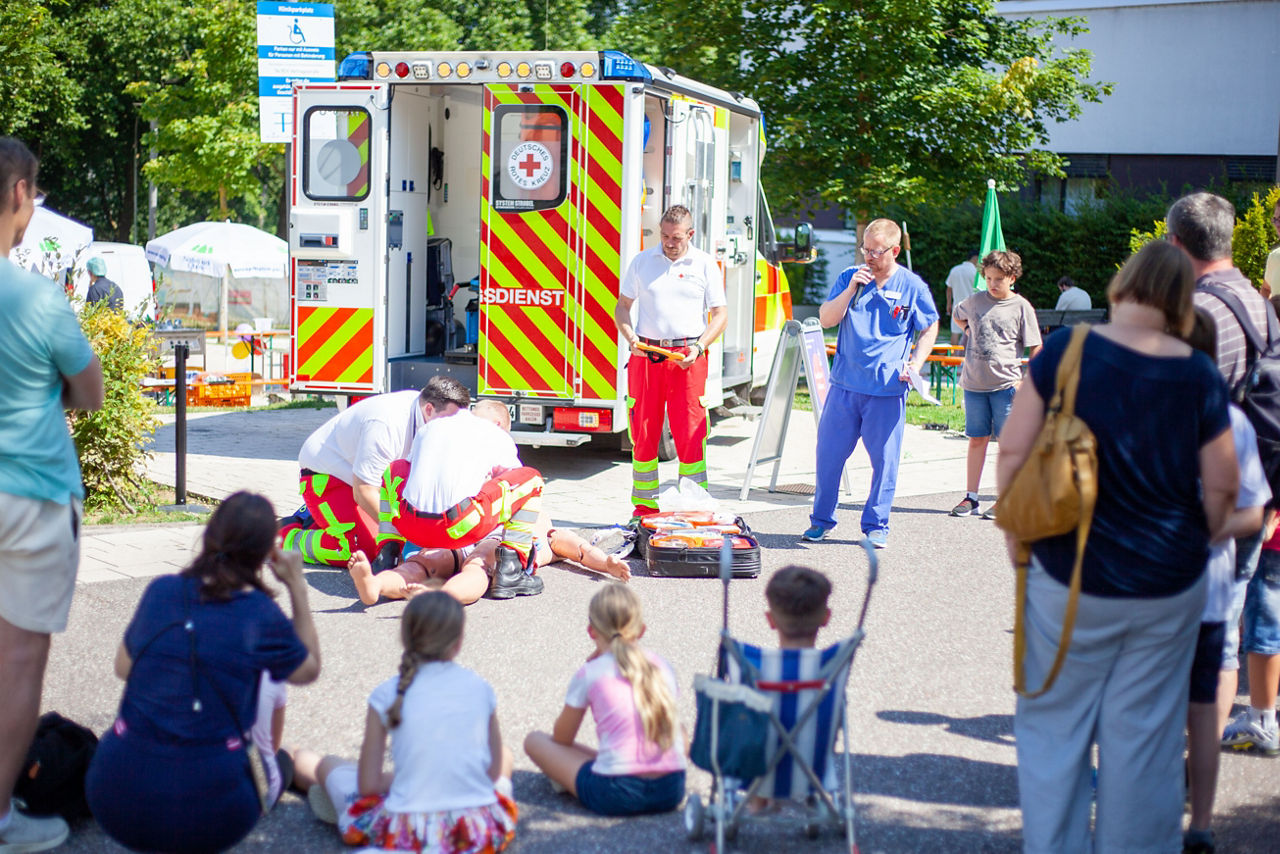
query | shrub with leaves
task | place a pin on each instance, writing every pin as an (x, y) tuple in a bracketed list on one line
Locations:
[(112, 442), (1139, 239), (1254, 236)]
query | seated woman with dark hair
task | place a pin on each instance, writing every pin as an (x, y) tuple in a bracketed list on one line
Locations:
[(173, 773)]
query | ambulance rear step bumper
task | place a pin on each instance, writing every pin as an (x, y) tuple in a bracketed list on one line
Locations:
[(551, 440)]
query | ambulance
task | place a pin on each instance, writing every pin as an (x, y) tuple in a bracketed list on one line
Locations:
[(472, 213)]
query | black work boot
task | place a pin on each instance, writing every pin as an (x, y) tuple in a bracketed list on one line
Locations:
[(510, 579), (388, 556), (301, 516)]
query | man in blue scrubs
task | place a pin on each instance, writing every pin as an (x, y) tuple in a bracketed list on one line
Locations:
[(880, 308)]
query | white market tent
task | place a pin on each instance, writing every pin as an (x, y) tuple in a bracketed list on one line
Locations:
[(228, 269), (52, 244)]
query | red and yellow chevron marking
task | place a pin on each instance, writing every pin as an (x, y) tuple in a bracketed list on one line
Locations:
[(600, 132), (523, 346), (358, 135), (773, 296), (335, 344)]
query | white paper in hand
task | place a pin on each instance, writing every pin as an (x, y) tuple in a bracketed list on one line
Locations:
[(922, 388)]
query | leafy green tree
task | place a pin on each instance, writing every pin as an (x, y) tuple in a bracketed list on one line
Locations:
[(36, 87), (92, 170), (901, 102), (207, 110), (393, 25)]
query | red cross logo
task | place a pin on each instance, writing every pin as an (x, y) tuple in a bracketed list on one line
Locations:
[(529, 165)]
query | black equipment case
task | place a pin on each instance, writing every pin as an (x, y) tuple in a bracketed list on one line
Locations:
[(698, 562)]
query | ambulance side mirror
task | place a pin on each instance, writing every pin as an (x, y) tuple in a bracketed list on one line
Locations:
[(801, 249)]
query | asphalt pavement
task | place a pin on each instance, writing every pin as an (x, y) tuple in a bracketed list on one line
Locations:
[(929, 695)]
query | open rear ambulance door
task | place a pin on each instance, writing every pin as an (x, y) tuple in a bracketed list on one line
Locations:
[(338, 238), (528, 253), (698, 175)]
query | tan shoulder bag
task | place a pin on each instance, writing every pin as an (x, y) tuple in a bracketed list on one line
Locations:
[(1053, 493)]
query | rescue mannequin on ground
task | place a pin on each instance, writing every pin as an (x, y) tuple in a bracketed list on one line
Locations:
[(467, 574), (461, 482)]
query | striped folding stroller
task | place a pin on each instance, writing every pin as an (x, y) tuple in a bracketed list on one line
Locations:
[(787, 706)]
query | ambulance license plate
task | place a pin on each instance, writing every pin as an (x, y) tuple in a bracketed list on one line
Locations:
[(530, 413)]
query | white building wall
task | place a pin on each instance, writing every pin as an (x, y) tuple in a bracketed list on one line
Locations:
[(1190, 77)]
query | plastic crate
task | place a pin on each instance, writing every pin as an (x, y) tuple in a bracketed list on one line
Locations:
[(221, 390)]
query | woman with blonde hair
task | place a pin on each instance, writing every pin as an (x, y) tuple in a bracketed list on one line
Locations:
[(1167, 482), (450, 792), (639, 767)]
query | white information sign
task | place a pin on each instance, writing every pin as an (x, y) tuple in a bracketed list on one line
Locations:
[(295, 45)]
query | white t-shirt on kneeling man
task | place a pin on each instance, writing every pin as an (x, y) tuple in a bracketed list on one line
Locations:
[(451, 459), (364, 439)]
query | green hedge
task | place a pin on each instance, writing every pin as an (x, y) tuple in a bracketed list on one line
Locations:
[(1088, 246)]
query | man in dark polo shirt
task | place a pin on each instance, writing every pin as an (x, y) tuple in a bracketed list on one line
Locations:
[(1201, 225)]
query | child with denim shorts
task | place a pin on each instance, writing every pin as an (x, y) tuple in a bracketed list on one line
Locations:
[(1203, 725), (1202, 712), (999, 326), (640, 765)]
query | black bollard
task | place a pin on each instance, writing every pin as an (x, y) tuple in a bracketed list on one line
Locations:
[(180, 505), (180, 423)]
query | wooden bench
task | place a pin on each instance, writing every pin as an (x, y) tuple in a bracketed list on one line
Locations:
[(1049, 319)]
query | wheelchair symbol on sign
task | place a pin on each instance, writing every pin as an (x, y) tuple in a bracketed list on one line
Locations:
[(296, 35)]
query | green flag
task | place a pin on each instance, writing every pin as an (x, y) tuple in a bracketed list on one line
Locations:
[(992, 235)]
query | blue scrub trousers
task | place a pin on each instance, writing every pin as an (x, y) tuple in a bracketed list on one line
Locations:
[(879, 421)]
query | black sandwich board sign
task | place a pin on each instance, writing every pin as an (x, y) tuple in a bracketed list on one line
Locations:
[(802, 348)]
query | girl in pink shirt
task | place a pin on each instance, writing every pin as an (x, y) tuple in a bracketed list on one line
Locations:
[(639, 767)]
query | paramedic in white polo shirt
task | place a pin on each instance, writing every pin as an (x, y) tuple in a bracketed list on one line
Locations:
[(677, 293), (342, 466)]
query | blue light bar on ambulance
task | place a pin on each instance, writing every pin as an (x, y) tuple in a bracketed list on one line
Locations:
[(616, 65), (356, 66)]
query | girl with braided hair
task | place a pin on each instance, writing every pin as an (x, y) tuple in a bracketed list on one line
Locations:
[(639, 767), (450, 792)]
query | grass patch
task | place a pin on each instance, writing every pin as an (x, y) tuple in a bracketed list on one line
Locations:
[(149, 513), (297, 403), (918, 412), (922, 414), (301, 403)]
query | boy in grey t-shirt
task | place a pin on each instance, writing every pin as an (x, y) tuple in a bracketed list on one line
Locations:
[(1001, 324)]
